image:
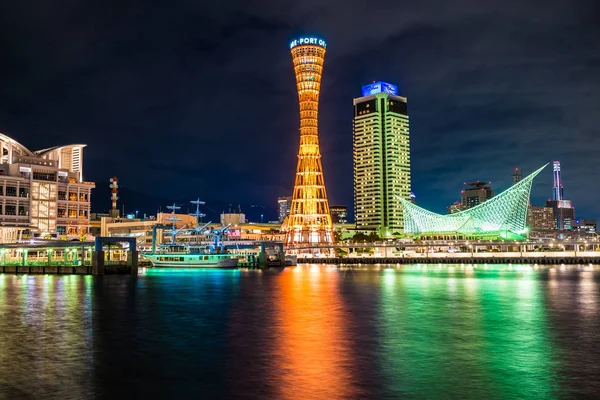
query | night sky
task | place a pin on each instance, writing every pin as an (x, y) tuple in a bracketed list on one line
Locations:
[(186, 99)]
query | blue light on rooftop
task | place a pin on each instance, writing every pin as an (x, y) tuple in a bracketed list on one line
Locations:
[(379, 87)]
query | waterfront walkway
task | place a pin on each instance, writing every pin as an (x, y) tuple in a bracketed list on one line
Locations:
[(557, 257)]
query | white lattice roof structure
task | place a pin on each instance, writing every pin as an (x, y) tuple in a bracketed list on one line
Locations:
[(503, 214)]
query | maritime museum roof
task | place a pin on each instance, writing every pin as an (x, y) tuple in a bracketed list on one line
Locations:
[(504, 215)]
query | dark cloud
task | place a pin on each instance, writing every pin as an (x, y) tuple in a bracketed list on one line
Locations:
[(200, 97)]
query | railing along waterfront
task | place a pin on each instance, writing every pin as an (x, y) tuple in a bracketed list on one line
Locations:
[(557, 257)]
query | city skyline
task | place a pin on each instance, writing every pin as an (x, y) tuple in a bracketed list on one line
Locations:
[(482, 102)]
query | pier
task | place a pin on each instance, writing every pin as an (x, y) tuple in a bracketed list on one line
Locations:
[(103, 256)]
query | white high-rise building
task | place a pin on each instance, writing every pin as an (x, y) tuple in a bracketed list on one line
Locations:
[(381, 158)]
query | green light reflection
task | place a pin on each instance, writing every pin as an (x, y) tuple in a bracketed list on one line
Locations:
[(476, 331)]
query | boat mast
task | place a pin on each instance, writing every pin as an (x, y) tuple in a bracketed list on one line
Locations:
[(198, 216), (173, 219)]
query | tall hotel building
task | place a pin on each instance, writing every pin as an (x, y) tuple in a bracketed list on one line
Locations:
[(42, 192), (381, 158)]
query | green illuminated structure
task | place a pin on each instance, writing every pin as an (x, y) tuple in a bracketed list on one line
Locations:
[(503, 216)]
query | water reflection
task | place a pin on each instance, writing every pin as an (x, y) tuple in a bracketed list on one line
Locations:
[(458, 332), (422, 331), (45, 346), (314, 355)]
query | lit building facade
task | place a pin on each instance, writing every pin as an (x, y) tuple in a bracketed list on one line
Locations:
[(309, 220), (285, 204), (564, 214), (339, 214), (476, 193), (381, 159), (43, 192), (540, 218), (502, 217), (585, 226)]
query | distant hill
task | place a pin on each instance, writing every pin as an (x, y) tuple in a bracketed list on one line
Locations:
[(144, 203)]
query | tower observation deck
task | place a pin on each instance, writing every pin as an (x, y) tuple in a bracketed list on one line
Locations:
[(309, 220)]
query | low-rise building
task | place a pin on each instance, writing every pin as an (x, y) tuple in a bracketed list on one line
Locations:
[(585, 226), (339, 214)]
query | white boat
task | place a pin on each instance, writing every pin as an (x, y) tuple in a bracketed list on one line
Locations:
[(182, 255), (190, 260)]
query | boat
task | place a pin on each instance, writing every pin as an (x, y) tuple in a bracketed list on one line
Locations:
[(191, 260), (192, 255)]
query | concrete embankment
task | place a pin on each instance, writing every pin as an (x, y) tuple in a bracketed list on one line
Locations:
[(68, 270), (449, 260)]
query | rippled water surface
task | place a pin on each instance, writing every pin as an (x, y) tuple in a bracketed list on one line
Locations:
[(423, 332)]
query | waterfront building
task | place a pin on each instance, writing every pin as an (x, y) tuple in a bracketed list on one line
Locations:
[(285, 203), (564, 212), (339, 214), (476, 193), (42, 193), (141, 229), (540, 218), (381, 159), (309, 220), (501, 217), (585, 226)]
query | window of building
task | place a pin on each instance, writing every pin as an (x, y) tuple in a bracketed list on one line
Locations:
[(10, 210), (44, 176), (23, 211), (398, 107), (11, 191), (24, 192), (62, 195)]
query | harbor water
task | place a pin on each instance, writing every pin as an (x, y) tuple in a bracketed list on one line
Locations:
[(306, 332)]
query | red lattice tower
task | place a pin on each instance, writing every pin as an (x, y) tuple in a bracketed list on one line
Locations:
[(309, 220)]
